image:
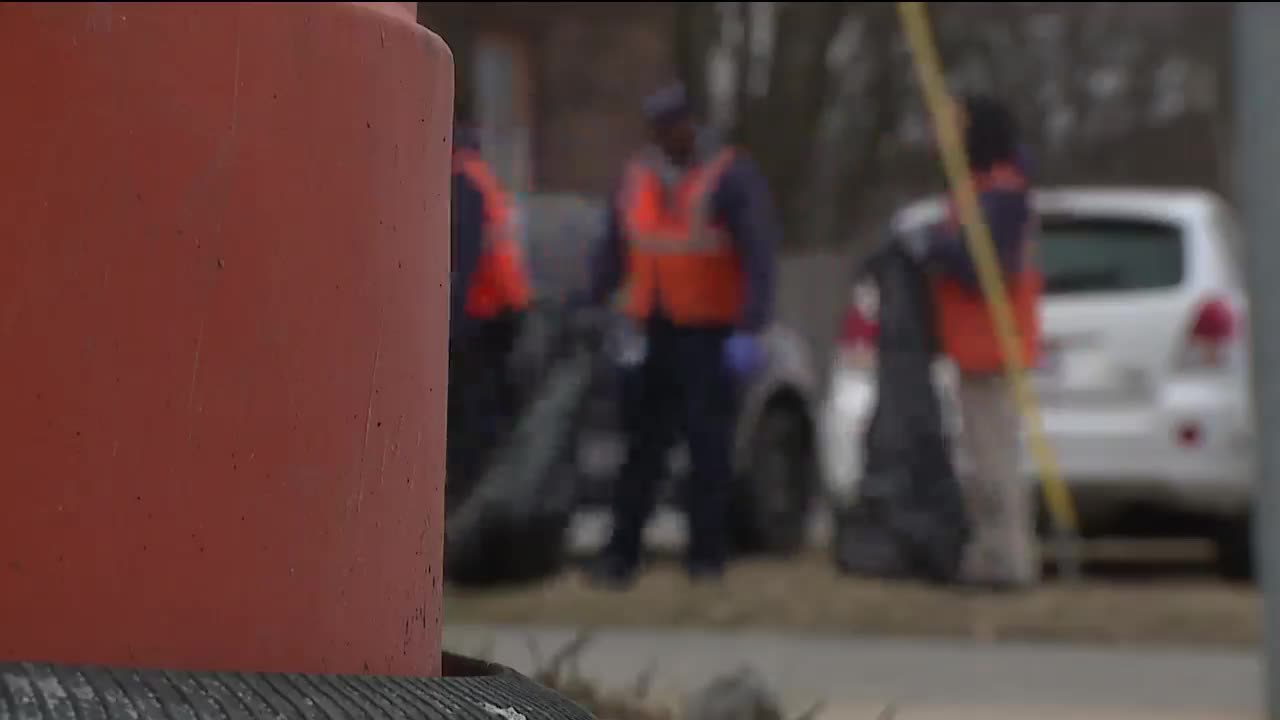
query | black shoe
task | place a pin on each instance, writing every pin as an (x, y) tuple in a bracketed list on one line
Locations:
[(706, 572), (608, 572)]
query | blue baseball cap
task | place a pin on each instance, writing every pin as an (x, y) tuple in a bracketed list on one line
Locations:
[(669, 104)]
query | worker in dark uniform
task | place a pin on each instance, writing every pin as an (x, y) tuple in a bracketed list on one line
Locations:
[(690, 239), (489, 295), (1002, 554)]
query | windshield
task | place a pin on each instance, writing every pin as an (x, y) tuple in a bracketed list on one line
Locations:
[(1106, 255)]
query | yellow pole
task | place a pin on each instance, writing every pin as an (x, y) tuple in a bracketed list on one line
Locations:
[(933, 84)]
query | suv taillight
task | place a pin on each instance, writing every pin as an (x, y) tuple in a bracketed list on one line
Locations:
[(859, 335), (860, 327), (1213, 327), (858, 331)]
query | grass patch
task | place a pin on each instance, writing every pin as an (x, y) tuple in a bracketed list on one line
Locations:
[(807, 594)]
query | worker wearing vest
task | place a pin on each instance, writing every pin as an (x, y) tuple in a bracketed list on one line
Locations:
[(1002, 553), (690, 238), (488, 297), (489, 279)]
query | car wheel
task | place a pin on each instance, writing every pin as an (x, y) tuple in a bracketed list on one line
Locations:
[(1235, 550), (775, 491)]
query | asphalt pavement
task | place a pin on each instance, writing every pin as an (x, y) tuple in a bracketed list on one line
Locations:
[(858, 678)]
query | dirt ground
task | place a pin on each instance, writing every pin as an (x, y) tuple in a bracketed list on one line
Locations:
[(1158, 600)]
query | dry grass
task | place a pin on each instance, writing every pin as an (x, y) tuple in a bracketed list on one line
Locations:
[(560, 672), (735, 693), (808, 594)]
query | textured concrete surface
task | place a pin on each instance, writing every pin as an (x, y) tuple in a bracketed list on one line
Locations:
[(859, 678)]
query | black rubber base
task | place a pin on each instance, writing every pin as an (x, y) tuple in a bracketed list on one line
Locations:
[(469, 689)]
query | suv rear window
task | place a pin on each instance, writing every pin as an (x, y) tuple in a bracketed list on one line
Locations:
[(1106, 255)]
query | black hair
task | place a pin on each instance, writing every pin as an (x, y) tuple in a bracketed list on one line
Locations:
[(992, 133)]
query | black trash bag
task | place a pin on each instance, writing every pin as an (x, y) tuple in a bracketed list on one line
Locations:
[(909, 520), (511, 525)]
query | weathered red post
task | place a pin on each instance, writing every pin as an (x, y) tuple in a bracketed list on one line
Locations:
[(223, 278)]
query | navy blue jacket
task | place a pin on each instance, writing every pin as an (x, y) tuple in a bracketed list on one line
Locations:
[(1006, 213), (466, 236), (743, 204)]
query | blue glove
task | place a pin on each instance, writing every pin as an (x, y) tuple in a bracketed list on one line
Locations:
[(744, 354)]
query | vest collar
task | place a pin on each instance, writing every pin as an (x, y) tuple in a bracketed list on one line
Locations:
[(706, 145)]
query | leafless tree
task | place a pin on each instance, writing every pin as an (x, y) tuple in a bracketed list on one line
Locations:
[(823, 95)]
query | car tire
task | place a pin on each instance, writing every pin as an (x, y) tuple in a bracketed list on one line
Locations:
[(1235, 550), (775, 491), (42, 691)]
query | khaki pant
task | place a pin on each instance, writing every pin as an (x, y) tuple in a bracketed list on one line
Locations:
[(1003, 547)]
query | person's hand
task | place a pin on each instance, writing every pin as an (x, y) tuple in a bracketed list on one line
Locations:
[(744, 354)]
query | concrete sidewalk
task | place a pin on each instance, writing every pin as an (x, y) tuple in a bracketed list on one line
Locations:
[(858, 678), (1017, 712)]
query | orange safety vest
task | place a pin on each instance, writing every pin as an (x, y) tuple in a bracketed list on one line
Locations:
[(677, 254), (499, 282), (965, 329)]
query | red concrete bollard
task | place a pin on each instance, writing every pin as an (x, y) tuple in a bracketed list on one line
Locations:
[(223, 321)]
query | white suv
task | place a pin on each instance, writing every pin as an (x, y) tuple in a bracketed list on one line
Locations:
[(1144, 376)]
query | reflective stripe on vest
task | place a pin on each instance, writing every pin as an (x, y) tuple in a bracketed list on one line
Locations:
[(679, 258), (498, 283), (698, 236)]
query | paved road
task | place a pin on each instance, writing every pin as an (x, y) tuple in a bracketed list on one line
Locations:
[(857, 678)]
